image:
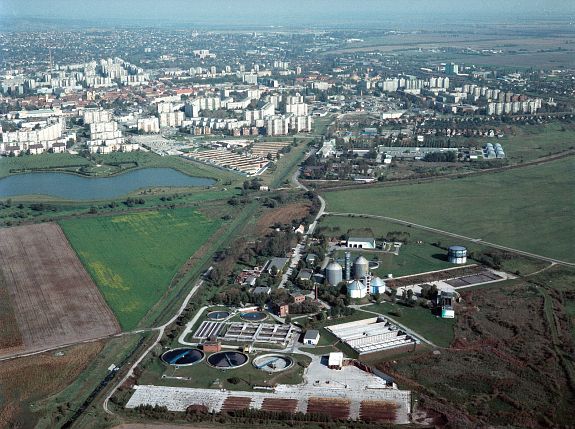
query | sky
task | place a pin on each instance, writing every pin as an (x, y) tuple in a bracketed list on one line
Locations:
[(221, 13)]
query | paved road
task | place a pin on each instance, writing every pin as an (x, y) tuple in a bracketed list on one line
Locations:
[(160, 330), (301, 245), (451, 234)]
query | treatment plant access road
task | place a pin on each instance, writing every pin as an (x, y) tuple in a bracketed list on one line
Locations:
[(160, 330), (451, 234), (296, 256)]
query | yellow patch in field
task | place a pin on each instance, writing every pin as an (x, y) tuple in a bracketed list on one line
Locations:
[(105, 276), (136, 218)]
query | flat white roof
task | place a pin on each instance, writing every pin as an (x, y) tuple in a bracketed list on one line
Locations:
[(335, 359)]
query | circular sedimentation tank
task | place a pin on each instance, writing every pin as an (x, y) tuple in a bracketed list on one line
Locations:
[(218, 315), (273, 362), (227, 360), (183, 356), (253, 316)]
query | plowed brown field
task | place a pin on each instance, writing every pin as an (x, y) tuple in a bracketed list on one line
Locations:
[(53, 299)]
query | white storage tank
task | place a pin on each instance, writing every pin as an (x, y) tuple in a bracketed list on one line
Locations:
[(356, 289), (457, 255)]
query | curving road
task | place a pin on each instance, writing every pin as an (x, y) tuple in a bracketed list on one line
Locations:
[(160, 330)]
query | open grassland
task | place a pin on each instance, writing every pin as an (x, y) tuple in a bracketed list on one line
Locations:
[(47, 161), (28, 379), (530, 142), (529, 208), (285, 166), (134, 257), (57, 408), (424, 250), (54, 301), (321, 124)]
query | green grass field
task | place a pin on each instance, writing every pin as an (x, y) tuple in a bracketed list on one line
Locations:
[(416, 257), (435, 329), (534, 141), (44, 161), (413, 257), (529, 208), (133, 257)]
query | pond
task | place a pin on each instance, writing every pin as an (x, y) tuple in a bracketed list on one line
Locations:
[(74, 187)]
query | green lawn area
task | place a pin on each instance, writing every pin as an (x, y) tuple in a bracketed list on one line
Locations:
[(45, 161), (435, 329), (133, 257), (320, 124), (413, 257), (285, 166), (534, 141), (529, 208)]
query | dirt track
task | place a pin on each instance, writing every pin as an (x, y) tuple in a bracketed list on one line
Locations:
[(54, 300)]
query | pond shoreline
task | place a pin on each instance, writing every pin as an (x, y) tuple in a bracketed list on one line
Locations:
[(71, 186)]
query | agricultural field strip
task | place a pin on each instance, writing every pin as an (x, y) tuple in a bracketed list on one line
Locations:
[(55, 301), (451, 234)]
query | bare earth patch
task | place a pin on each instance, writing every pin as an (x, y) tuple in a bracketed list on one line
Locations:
[(53, 299), (282, 215), (35, 377)]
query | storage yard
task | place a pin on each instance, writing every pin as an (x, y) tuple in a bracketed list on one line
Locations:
[(245, 164), (54, 300), (372, 335), (343, 394), (263, 149)]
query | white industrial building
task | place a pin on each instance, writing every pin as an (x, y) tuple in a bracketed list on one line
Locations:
[(361, 242), (372, 335), (311, 337)]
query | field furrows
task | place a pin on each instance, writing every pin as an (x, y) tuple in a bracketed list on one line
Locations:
[(54, 300)]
